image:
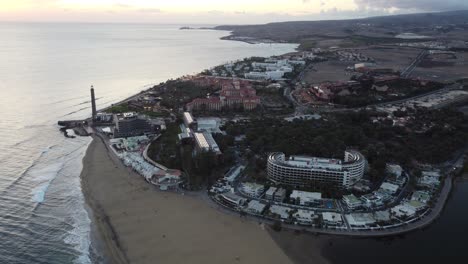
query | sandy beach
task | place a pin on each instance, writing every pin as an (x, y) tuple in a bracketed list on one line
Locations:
[(139, 224)]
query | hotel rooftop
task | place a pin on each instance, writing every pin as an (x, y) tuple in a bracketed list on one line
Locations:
[(313, 162)]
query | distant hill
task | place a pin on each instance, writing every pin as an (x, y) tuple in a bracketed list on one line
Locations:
[(429, 24)]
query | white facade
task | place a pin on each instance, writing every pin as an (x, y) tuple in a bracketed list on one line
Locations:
[(252, 189), (351, 201), (301, 171), (360, 220), (270, 194), (282, 211), (389, 187), (330, 218), (304, 217), (255, 207), (206, 142), (305, 198)]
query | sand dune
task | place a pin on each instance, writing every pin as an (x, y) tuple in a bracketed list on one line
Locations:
[(139, 224)]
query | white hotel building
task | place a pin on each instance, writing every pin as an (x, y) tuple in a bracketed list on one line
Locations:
[(301, 171)]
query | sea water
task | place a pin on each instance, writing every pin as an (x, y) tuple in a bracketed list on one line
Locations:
[(45, 74)]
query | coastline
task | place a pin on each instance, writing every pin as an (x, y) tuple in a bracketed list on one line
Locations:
[(138, 224)]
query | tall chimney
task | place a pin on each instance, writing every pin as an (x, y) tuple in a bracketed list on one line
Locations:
[(93, 103)]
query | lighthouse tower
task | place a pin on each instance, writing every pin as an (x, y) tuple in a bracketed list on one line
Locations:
[(93, 103)]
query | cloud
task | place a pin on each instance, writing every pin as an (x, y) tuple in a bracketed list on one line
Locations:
[(418, 5), (150, 10)]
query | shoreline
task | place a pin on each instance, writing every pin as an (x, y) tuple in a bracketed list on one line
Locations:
[(100, 221), (138, 224)]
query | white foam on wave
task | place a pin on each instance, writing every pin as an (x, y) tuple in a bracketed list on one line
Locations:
[(43, 177), (79, 237)]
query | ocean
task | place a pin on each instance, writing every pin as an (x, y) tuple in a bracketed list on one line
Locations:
[(46, 70)]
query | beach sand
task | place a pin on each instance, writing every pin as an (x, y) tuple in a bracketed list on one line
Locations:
[(139, 224)]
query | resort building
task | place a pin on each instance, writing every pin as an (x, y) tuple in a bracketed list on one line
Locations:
[(130, 125), (280, 194), (372, 200), (301, 171), (270, 193), (351, 201), (234, 95), (281, 211), (421, 196), (305, 198), (389, 187), (332, 219), (205, 142), (403, 210), (231, 200), (360, 220), (190, 122), (234, 173), (251, 189), (305, 217), (208, 125), (255, 207)]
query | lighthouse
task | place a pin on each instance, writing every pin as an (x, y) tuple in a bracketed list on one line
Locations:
[(93, 103)]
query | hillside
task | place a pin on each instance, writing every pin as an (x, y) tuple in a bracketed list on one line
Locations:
[(450, 25)]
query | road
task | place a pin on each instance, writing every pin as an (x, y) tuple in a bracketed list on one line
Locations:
[(409, 70)]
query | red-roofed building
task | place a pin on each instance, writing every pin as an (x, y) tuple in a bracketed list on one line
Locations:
[(234, 94)]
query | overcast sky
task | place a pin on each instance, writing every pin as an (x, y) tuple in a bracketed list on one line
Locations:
[(212, 11)]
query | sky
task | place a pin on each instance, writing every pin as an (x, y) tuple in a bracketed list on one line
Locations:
[(212, 11)]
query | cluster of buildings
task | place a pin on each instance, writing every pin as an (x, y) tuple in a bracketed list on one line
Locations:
[(429, 179), (373, 211), (199, 133), (328, 91), (344, 55), (234, 95), (129, 124), (132, 151), (301, 171), (273, 69), (269, 69), (385, 194)]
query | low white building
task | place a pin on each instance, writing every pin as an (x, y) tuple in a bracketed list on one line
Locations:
[(231, 199), (208, 125), (251, 189), (430, 182), (305, 217), (281, 211), (234, 173), (360, 220), (389, 187), (351, 201), (305, 198), (422, 196), (402, 210), (372, 200), (255, 207), (280, 194), (330, 218), (382, 216), (270, 193)]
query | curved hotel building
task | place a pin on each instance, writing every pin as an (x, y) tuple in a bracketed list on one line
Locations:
[(301, 171)]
